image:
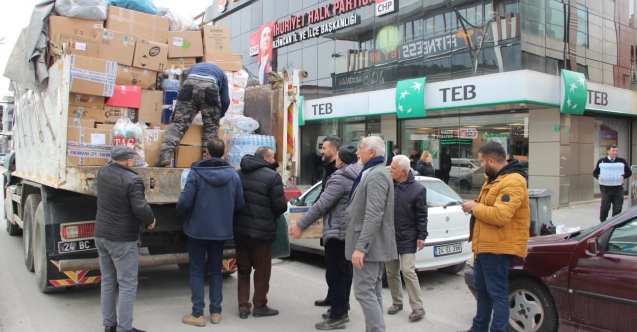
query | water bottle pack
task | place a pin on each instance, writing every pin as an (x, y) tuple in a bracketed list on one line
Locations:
[(184, 177), (611, 174), (243, 144)]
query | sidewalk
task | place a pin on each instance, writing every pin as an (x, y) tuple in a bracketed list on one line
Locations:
[(582, 214)]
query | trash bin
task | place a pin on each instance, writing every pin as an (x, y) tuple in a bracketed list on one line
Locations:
[(541, 214)]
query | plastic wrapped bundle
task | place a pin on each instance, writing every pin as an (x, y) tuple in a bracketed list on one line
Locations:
[(180, 21), (144, 6), (84, 9), (168, 84), (240, 79), (126, 132)]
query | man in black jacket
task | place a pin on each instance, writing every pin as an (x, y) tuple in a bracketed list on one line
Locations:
[(410, 224), (255, 229), (121, 210), (612, 191)]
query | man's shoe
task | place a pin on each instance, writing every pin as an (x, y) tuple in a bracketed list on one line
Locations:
[(244, 315), (215, 318), (326, 315), (394, 309), (416, 314), (163, 160), (330, 324), (110, 328), (135, 330), (195, 321), (324, 303), (265, 312)]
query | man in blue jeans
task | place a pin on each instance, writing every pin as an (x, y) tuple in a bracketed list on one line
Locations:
[(121, 211), (500, 221), (212, 194)]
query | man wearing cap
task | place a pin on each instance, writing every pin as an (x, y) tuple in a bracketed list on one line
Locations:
[(205, 89), (331, 206), (121, 210)]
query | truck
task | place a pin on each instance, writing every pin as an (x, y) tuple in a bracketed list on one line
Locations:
[(52, 203)]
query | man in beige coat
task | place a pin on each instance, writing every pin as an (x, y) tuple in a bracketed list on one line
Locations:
[(370, 239)]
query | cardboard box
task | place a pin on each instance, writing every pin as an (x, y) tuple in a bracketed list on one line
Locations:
[(152, 143), (150, 55), (91, 113), (183, 44), (107, 126), (138, 24), (80, 45), (112, 114), (315, 230), (71, 26), (183, 63), (82, 122), (186, 155), (88, 101), (159, 125), (126, 96), (88, 146), (216, 39), (115, 46), (151, 106), (227, 62), (193, 136), (93, 76), (144, 78)]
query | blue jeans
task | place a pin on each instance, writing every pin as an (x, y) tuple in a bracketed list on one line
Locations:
[(491, 280), (197, 250)]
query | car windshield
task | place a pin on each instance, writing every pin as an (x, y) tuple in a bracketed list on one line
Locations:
[(439, 194)]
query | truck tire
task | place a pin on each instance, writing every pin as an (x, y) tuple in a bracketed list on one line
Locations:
[(39, 253), (30, 206)]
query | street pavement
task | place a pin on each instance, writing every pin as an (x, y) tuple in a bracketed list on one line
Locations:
[(164, 295)]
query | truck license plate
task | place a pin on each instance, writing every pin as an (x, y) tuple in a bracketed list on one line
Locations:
[(448, 249), (74, 246)]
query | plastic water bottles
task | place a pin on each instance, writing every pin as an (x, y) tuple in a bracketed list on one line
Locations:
[(184, 177), (611, 174)]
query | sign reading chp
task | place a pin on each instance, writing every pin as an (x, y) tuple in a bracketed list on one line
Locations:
[(384, 7)]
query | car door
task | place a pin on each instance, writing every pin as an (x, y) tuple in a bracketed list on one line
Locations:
[(603, 284)]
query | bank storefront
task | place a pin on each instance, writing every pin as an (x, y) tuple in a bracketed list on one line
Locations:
[(557, 126)]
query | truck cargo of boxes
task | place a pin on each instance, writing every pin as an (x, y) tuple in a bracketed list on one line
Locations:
[(181, 63), (185, 44), (115, 46), (88, 146), (150, 55), (113, 113), (70, 26), (86, 112), (88, 101), (190, 147), (227, 62), (80, 45), (125, 96), (138, 24), (151, 106), (153, 137)]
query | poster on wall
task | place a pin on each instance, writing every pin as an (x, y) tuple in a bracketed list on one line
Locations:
[(607, 136), (261, 46)]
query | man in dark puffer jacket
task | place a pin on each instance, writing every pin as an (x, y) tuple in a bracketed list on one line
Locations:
[(255, 229), (410, 224), (121, 210)]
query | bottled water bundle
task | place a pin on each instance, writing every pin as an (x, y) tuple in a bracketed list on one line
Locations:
[(243, 144)]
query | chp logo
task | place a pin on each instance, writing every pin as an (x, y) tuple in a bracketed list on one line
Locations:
[(384, 7), (222, 5), (254, 43)]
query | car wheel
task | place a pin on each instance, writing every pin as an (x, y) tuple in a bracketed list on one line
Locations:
[(531, 307), (453, 269)]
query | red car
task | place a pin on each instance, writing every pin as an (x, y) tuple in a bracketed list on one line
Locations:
[(584, 281)]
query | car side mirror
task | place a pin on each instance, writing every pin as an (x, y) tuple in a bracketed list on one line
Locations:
[(591, 247), (295, 201)]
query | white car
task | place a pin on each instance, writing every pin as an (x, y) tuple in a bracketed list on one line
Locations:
[(446, 248)]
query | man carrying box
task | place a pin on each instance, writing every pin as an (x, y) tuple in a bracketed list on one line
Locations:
[(205, 89), (331, 205)]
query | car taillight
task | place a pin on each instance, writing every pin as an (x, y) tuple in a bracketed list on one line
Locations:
[(77, 230)]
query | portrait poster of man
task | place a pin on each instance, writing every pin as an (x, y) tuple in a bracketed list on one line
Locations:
[(261, 44)]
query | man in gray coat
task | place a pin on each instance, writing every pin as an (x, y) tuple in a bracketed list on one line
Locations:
[(331, 206), (370, 239)]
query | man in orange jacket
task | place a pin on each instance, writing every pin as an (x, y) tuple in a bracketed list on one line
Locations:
[(500, 231)]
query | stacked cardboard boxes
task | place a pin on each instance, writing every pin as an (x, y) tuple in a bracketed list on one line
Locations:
[(115, 67)]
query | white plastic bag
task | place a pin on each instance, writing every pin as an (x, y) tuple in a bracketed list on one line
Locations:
[(198, 120), (84, 9), (562, 229), (184, 177), (125, 132), (180, 21)]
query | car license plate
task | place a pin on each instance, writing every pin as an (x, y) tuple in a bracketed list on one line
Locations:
[(74, 246), (449, 249)]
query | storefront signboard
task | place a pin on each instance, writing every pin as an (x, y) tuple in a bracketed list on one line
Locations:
[(573, 92), (384, 7), (609, 99), (357, 104), (410, 98)]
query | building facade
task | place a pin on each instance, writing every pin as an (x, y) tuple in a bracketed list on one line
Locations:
[(552, 80)]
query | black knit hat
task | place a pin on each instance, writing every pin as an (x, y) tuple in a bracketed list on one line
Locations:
[(347, 154)]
